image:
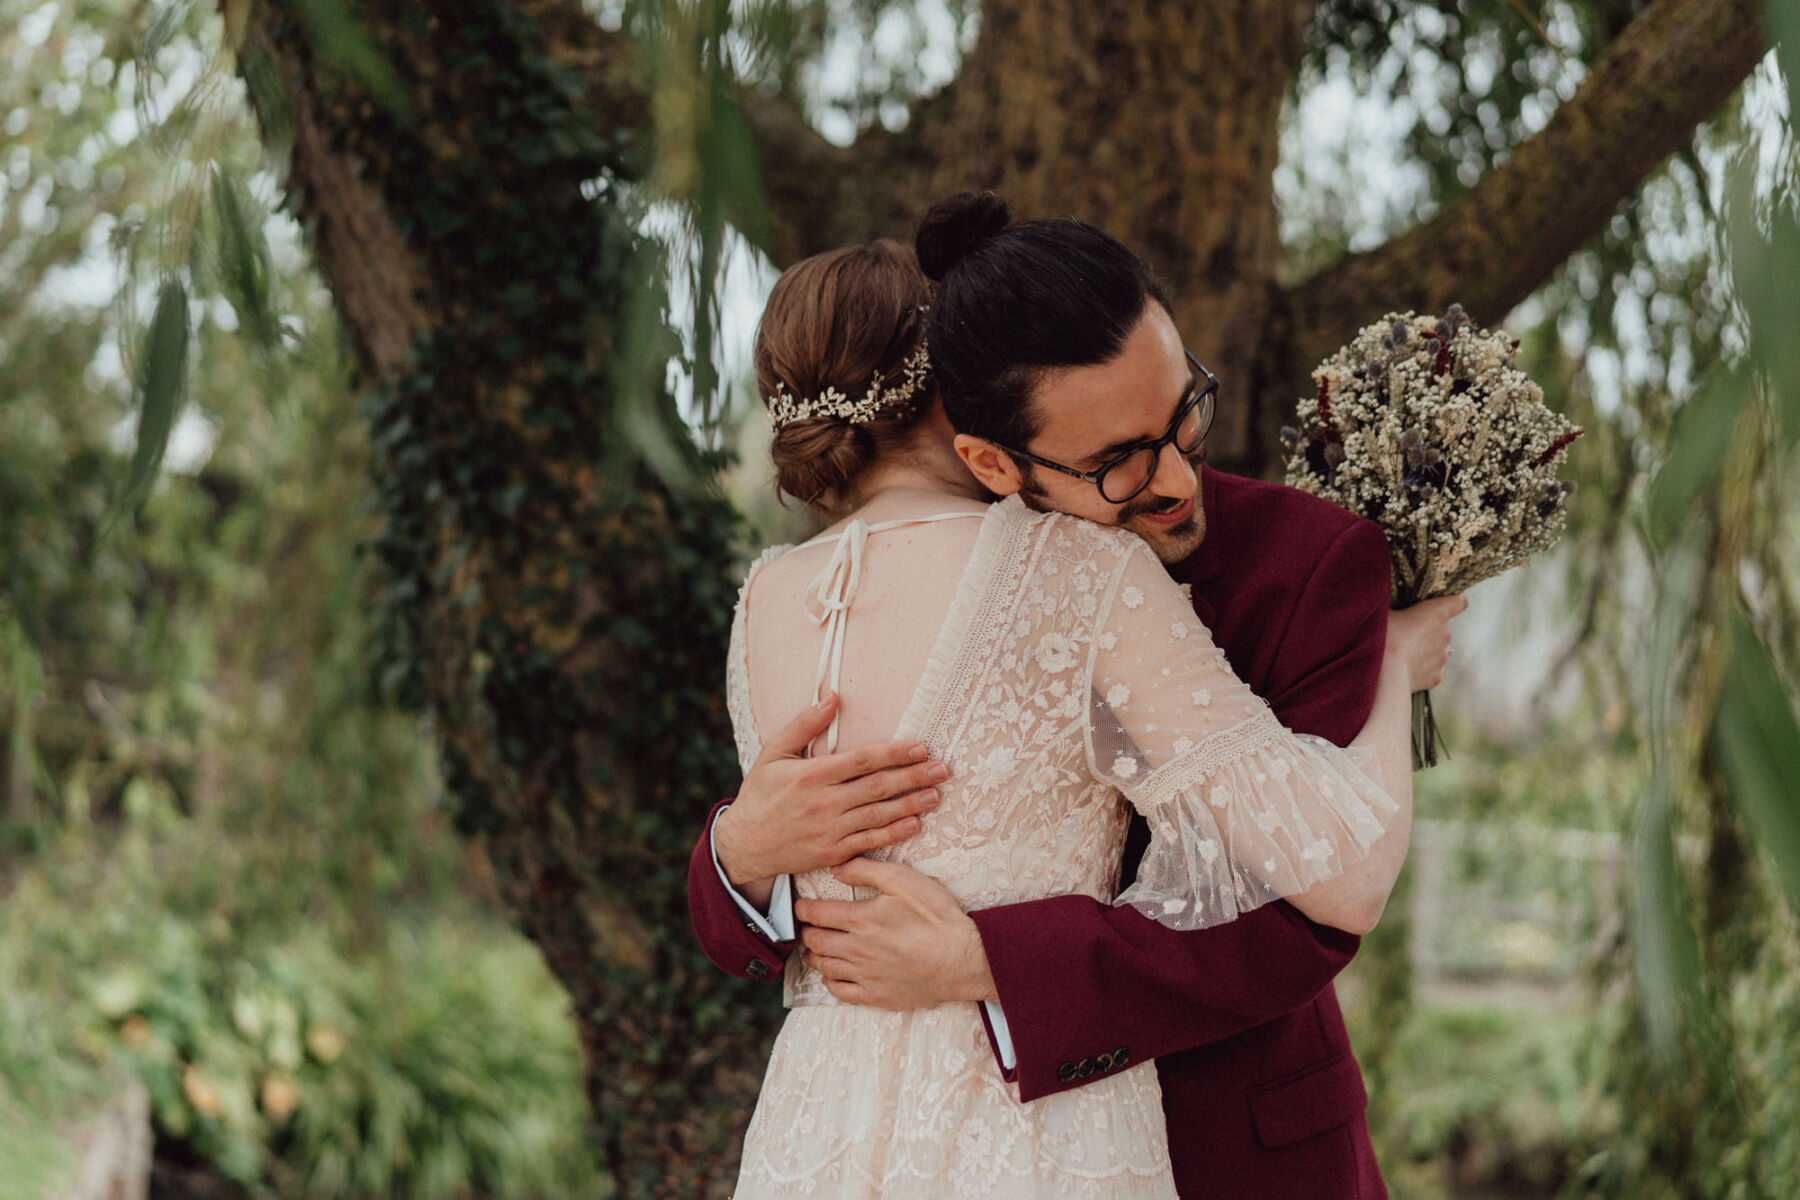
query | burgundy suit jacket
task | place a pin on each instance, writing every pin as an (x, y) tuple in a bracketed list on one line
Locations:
[(1261, 1092)]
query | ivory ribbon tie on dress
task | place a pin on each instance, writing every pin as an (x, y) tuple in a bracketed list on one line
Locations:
[(829, 595)]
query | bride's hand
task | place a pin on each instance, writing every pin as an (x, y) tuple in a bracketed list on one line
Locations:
[(1418, 639)]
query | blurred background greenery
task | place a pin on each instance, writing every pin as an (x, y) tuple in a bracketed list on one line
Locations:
[(225, 863)]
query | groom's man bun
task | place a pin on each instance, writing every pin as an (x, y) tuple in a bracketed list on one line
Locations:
[(1016, 300), (955, 226)]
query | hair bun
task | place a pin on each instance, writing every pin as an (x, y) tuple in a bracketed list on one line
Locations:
[(956, 225)]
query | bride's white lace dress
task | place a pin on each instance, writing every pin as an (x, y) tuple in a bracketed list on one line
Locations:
[(1070, 682)]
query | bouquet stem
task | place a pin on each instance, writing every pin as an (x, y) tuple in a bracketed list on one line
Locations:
[(1425, 749)]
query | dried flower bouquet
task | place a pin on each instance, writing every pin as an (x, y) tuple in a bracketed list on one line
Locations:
[(1423, 425)]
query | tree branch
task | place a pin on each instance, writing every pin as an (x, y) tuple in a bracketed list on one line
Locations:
[(819, 195), (1666, 72)]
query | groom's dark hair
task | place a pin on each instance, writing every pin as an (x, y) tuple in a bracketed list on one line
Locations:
[(1016, 300)]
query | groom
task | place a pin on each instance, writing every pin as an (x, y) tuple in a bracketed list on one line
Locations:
[(1262, 1095)]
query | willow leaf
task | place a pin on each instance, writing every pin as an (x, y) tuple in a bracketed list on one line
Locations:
[(160, 387), (1759, 744)]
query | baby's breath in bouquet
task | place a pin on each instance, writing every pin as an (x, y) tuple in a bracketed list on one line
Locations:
[(1424, 426)]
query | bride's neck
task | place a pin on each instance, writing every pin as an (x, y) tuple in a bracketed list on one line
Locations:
[(887, 482), (927, 465)]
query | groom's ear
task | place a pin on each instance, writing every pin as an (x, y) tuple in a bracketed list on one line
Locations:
[(991, 465)]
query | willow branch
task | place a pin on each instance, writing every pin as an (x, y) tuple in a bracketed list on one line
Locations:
[(1670, 69)]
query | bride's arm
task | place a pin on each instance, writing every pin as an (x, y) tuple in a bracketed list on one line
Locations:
[(1418, 645), (1241, 810)]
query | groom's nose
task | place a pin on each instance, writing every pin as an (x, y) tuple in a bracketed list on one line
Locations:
[(1175, 477)]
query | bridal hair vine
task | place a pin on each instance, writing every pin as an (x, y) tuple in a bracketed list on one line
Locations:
[(786, 408)]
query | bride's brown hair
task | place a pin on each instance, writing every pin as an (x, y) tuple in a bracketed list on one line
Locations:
[(836, 320)]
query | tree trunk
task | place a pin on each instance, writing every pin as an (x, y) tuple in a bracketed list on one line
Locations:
[(562, 612), (1159, 122)]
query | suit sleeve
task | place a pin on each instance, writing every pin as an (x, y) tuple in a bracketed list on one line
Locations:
[(734, 945), (1088, 988)]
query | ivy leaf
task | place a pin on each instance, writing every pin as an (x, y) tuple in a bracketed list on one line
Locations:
[(1758, 742), (160, 389)]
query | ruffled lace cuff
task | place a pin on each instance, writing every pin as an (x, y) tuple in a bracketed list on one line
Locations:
[(1253, 815)]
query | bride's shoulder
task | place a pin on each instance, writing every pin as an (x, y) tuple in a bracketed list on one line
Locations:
[(1061, 532), (769, 555)]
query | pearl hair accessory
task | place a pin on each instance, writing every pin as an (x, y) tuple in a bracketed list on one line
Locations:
[(786, 408)]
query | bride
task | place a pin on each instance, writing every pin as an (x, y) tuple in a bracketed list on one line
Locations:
[(1063, 677)]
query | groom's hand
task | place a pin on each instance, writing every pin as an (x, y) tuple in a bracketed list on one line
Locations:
[(795, 814), (910, 947)]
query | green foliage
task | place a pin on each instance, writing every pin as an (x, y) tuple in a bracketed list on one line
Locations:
[(164, 380), (438, 1062), (1484, 1097), (1701, 435), (341, 41), (1759, 745), (31, 1157)]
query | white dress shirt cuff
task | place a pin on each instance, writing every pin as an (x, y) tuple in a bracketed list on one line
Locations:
[(778, 923), (1003, 1045)]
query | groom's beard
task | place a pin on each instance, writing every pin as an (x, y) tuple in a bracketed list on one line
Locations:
[(1171, 543)]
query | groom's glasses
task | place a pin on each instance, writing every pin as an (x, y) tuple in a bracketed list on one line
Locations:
[(1126, 474)]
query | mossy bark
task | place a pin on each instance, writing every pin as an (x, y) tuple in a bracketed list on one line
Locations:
[(560, 612)]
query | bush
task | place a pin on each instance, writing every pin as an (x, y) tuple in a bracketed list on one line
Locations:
[(437, 1062)]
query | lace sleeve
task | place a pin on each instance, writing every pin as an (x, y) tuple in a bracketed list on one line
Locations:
[(1241, 811)]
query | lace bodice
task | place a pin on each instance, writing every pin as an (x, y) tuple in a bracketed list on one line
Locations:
[(1071, 679)]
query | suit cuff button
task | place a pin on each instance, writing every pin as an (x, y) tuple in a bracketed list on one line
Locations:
[(1121, 1056), (757, 968), (1066, 1072), (1103, 1062), (1086, 1068)]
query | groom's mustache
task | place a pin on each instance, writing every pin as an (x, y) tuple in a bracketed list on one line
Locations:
[(1144, 502)]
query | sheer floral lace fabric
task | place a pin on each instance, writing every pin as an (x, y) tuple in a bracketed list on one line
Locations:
[(1070, 681)]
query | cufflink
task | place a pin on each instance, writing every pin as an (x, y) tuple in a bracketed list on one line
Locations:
[(756, 968)]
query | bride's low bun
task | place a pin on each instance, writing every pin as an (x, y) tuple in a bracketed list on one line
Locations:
[(816, 460), (837, 321), (956, 225)]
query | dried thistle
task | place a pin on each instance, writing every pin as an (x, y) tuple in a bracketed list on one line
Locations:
[(1425, 426)]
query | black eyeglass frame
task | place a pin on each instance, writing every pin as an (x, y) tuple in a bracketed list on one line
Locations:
[(1206, 392)]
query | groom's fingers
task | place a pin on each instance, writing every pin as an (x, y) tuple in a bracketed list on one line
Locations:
[(792, 739), (835, 970), (885, 877), (827, 943), (905, 793), (848, 990), (825, 914), (866, 840), (848, 765), (886, 783)]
